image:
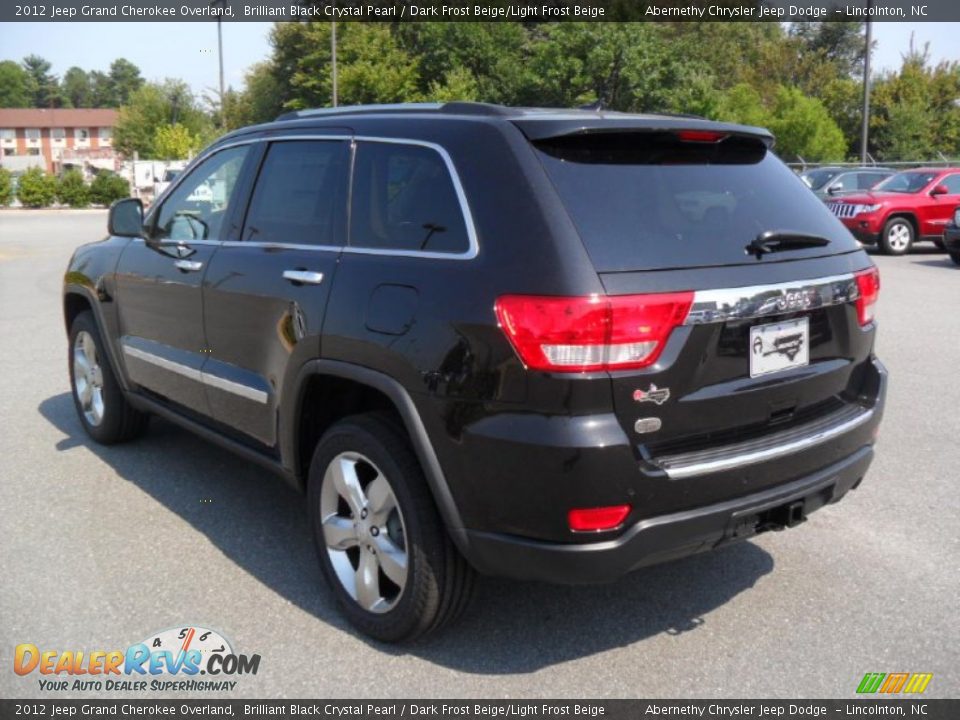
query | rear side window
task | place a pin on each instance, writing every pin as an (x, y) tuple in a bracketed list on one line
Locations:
[(404, 199), (644, 201), (299, 191)]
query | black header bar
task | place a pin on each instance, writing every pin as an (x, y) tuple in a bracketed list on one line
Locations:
[(478, 10)]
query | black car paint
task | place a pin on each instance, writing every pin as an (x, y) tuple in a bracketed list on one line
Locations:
[(507, 451)]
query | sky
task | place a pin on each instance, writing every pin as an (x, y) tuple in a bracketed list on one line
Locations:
[(189, 50)]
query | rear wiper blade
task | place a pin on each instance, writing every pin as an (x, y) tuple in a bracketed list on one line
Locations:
[(780, 240)]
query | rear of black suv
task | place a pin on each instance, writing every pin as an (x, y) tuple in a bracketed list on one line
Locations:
[(717, 381), (554, 345)]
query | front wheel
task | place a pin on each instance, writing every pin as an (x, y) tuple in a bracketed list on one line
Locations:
[(897, 237), (955, 256), (383, 547), (103, 410)]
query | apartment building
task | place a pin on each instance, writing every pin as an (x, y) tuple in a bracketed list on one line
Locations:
[(56, 138)]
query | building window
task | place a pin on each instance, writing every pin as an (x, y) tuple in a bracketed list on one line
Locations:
[(8, 134), (58, 133), (33, 151), (82, 134), (33, 133), (105, 133), (9, 151)]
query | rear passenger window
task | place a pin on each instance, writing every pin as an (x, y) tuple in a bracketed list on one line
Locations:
[(404, 199), (298, 194)]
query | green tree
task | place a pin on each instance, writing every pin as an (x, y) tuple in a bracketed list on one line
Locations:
[(72, 190), (36, 189), (842, 43), (174, 142), (743, 104), (76, 88), (101, 90), (108, 187), (153, 106), (915, 115), (457, 84), (6, 187), (492, 53), (372, 66), (46, 88), (125, 80), (803, 128), (16, 85)]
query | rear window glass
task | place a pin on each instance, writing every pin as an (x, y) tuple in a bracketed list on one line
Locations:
[(648, 201)]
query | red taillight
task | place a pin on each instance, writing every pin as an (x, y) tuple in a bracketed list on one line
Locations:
[(704, 136), (868, 282), (601, 518), (599, 332)]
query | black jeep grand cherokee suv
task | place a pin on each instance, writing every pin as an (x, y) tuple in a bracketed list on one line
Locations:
[(556, 345)]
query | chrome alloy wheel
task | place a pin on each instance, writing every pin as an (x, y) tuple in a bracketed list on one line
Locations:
[(898, 237), (88, 377), (364, 532)]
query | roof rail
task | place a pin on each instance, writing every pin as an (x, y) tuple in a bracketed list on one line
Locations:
[(453, 108)]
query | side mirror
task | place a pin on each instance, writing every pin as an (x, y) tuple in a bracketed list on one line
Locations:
[(126, 218), (835, 188), (940, 190)]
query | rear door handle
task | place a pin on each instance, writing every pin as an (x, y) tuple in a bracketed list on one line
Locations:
[(188, 265), (303, 277)]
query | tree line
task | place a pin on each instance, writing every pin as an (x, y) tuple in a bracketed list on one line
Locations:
[(30, 83), (803, 81)]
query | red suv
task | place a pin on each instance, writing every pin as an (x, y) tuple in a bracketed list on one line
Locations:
[(906, 207)]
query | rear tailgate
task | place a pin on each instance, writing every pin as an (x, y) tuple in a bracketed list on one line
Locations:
[(772, 349)]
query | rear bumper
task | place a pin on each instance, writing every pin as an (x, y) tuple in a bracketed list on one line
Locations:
[(669, 536), (678, 534)]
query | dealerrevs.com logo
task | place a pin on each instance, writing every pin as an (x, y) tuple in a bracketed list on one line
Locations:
[(169, 660)]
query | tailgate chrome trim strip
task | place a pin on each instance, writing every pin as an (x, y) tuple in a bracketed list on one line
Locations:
[(716, 306), (771, 447)]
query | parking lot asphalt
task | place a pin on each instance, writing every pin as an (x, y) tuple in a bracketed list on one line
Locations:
[(102, 547)]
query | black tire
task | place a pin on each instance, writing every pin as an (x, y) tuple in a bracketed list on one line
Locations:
[(438, 582), (955, 256), (118, 420), (898, 236)]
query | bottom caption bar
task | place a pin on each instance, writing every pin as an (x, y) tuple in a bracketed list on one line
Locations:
[(483, 709)]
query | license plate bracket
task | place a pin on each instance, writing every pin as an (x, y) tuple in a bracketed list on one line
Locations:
[(779, 346)]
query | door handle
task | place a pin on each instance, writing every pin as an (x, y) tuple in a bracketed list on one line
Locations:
[(303, 277), (188, 265)]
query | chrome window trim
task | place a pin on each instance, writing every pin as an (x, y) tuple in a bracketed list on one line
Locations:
[(754, 301), (474, 246), (474, 243), (204, 378)]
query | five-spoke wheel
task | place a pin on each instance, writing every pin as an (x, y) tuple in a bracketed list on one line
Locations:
[(364, 532), (383, 547)]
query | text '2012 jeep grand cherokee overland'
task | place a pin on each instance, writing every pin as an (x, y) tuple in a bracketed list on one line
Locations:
[(554, 345)]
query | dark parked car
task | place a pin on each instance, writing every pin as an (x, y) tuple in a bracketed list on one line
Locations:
[(951, 237), (909, 206), (830, 182), (551, 345)]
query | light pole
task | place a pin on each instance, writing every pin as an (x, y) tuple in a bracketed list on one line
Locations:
[(865, 127), (333, 59), (222, 4)]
